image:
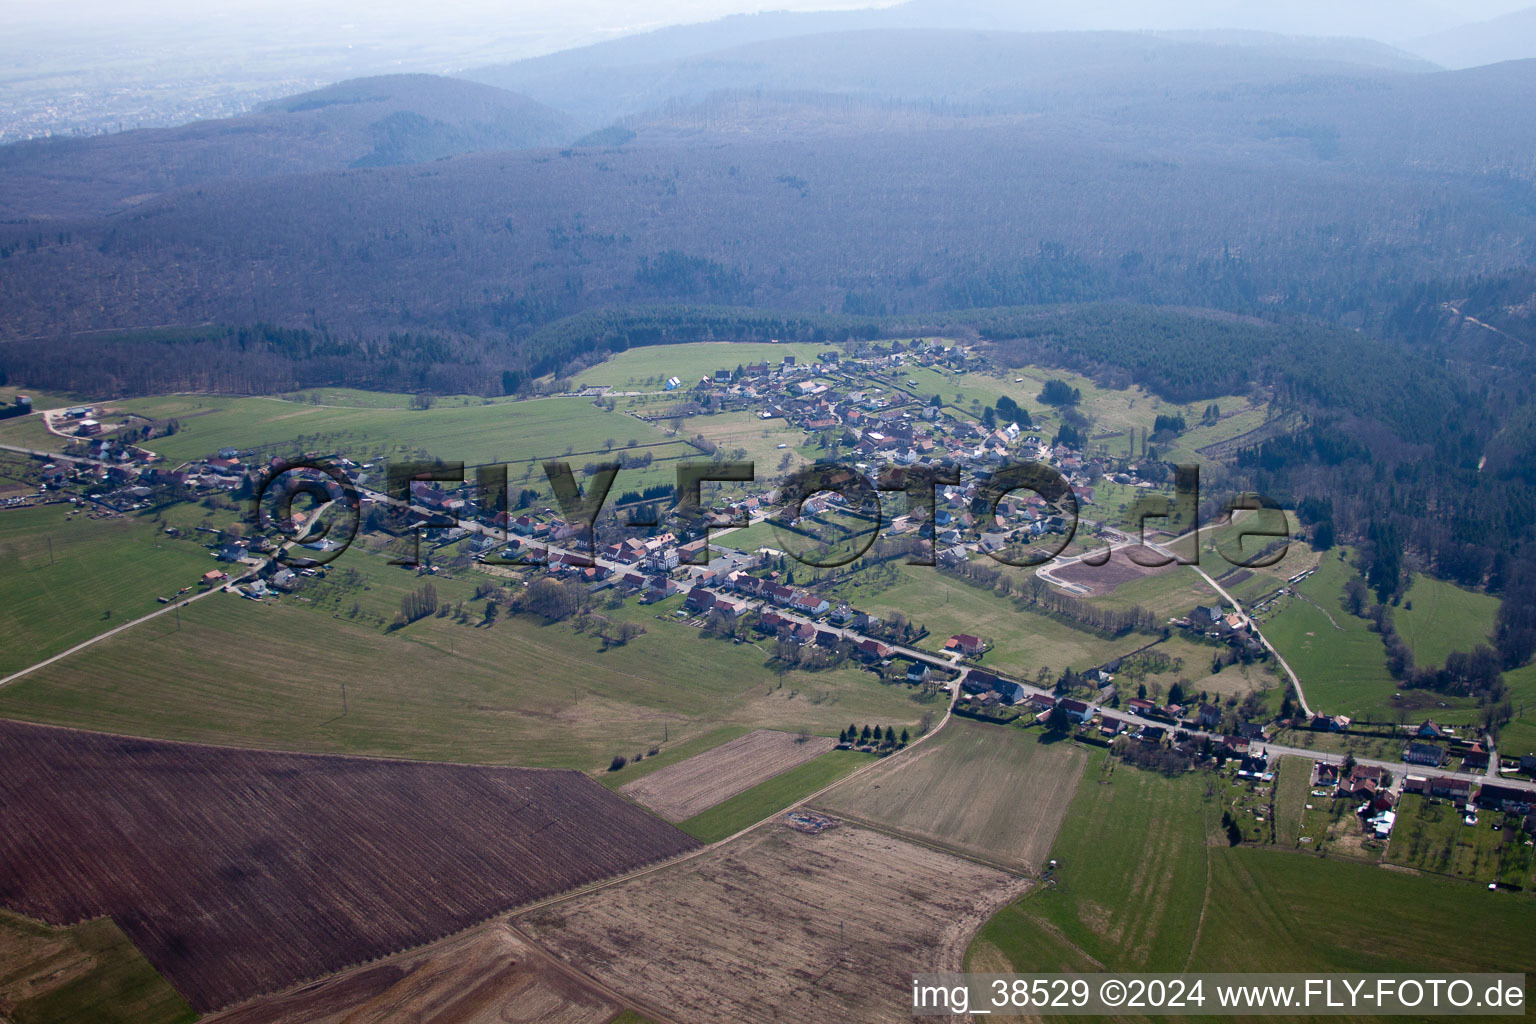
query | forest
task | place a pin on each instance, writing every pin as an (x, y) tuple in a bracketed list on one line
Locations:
[(1201, 219)]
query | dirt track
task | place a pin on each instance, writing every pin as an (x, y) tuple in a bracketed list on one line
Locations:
[(484, 976), (781, 926)]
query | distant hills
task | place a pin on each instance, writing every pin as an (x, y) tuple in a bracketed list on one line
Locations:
[(1507, 37), (368, 122), (978, 71), (887, 171)]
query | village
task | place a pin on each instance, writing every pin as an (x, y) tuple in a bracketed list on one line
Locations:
[(865, 409)]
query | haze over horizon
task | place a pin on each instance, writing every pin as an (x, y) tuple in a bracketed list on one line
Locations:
[(88, 66)]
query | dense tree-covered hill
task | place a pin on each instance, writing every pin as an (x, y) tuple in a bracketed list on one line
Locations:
[(367, 122)]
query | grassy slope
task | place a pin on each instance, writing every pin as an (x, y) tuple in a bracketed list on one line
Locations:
[(1139, 889), (118, 565), (1129, 886), (478, 432), (1023, 641), (647, 368), (517, 692), (975, 788), (90, 972), (767, 797), (1444, 618), (1519, 736), (1342, 664)]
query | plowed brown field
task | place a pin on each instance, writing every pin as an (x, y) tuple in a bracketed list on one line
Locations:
[(781, 925), (238, 872)]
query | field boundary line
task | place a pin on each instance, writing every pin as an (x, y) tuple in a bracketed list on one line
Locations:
[(576, 974), (928, 844), (173, 606)]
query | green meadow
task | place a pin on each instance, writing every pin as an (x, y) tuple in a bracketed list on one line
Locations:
[(319, 670), (647, 368), (1023, 641), (90, 972), (475, 432), (1341, 662), (1128, 888), (69, 578), (1437, 618), (1145, 883)]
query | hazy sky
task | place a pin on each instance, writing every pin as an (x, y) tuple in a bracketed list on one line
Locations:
[(567, 22)]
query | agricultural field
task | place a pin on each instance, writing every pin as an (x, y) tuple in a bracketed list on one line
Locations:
[(647, 368), (763, 800), (1023, 641), (1437, 618), (1294, 781), (782, 925), (1166, 594), (1128, 887), (69, 578), (1430, 835), (485, 974), (1294, 913), (1103, 580), (474, 432), (243, 872), (1341, 662), (320, 670), (684, 789), (742, 435), (994, 793), (1148, 886), (88, 972)]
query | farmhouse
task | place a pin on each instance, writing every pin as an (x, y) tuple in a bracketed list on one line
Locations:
[(1475, 759), (1459, 790), (965, 643), (1077, 710), (873, 650), (1425, 754), (1506, 798)]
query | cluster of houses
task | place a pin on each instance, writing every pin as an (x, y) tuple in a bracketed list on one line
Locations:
[(1231, 628), (1372, 787), (886, 425)]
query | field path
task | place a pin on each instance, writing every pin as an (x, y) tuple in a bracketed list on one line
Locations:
[(172, 606)]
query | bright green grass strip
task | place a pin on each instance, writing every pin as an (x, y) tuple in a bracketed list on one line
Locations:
[(765, 798)]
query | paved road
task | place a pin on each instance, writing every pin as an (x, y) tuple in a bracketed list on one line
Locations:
[(1301, 696)]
